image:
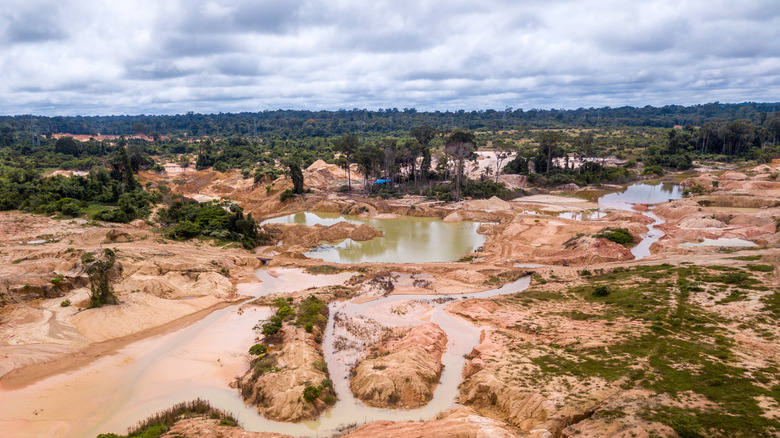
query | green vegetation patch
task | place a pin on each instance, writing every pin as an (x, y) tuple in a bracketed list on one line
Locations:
[(221, 220), (684, 350), (323, 269), (161, 422), (617, 235)]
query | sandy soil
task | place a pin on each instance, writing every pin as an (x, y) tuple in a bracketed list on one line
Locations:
[(166, 286)]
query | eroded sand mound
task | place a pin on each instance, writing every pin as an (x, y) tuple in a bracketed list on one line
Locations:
[(297, 237), (278, 395), (407, 374), (492, 204), (460, 423)]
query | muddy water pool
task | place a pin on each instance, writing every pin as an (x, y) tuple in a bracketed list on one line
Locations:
[(406, 239)]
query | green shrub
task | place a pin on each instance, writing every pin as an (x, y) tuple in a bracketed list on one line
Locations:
[(618, 235), (312, 311), (258, 349), (287, 194), (185, 230), (65, 303), (311, 393), (601, 291)]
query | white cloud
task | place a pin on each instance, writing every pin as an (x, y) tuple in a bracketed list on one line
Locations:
[(144, 56)]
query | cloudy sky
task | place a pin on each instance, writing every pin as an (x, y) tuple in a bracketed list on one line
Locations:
[(68, 57)]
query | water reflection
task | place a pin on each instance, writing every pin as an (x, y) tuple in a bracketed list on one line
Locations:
[(643, 194), (406, 239)]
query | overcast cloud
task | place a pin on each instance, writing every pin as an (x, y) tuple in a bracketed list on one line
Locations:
[(86, 57)]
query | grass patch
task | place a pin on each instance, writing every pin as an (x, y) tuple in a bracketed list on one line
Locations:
[(684, 350), (323, 269), (751, 258)]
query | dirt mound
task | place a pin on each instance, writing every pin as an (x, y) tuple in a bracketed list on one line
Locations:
[(407, 374), (461, 423), (492, 204), (734, 176), (514, 182), (705, 180), (301, 238), (701, 222), (321, 175), (453, 217), (278, 395), (206, 427)]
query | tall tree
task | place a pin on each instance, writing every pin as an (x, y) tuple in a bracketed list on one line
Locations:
[(460, 146), (347, 146), (100, 269), (296, 174), (548, 146), (503, 150), (369, 159), (424, 134)]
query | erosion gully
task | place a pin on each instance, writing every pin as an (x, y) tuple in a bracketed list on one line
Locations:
[(199, 361)]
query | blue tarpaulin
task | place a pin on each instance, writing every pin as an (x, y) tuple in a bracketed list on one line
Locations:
[(382, 181)]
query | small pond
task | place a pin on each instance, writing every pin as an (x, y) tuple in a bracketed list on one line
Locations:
[(406, 239), (643, 193)]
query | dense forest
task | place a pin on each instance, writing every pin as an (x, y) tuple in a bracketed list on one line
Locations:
[(410, 152), (297, 124)]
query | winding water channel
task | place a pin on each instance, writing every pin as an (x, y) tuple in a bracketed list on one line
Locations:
[(643, 193), (200, 360)]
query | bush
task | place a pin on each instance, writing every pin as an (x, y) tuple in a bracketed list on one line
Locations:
[(653, 170), (65, 303), (258, 349), (273, 326), (111, 215), (185, 230), (287, 194), (311, 393), (601, 291), (618, 235), (312, 311)]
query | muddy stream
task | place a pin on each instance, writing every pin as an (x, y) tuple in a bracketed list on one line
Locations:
[(117, 391), (643, 193), (200, 360)]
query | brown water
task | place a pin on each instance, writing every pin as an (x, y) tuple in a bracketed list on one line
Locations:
[(201, 360)]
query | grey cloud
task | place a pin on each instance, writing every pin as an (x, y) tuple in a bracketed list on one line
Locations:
[(154, 70), (267, 16), (28, 25), (196, 45), (440, 54)]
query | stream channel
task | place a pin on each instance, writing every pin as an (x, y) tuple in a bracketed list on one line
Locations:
[(199, 361), (643, 193)]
